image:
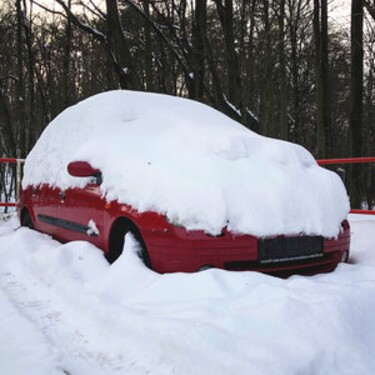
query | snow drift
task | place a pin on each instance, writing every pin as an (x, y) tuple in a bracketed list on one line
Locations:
[(192, 163), (64, 310)]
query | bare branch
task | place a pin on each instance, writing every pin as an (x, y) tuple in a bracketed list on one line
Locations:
[(98, 11), (84, 26), (48, 9), (12, 77), (161, 35), (370, 8)]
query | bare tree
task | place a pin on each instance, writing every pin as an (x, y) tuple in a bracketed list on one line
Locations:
[(20, 86), (282, 74), (225, 11), (120, 47), (322, 77), (198, 49), (356, 98)]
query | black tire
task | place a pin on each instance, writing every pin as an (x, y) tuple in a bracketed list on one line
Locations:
[(26, 220), (117, 242)]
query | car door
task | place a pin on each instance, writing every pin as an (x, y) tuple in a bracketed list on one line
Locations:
[(44, 201), (80, 214)]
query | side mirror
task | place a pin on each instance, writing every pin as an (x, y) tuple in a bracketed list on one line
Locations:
[(82, 169)]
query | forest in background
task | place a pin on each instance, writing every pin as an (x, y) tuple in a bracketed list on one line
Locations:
[(280, 67)]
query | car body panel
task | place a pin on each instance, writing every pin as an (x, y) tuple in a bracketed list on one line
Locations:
[(170, 248), (79, 206)]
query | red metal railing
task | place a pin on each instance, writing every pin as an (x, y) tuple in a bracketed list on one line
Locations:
[(7, 204), (18, 179), (369, 159)]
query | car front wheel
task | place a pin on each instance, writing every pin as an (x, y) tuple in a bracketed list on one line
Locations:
[(117, 241)]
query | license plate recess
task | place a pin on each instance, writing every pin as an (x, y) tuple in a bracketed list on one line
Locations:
[(289, 248)]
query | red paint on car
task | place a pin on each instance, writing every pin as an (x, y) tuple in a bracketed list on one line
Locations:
[(66, 216)]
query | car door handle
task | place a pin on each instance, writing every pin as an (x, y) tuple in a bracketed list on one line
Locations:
[(62, 195)]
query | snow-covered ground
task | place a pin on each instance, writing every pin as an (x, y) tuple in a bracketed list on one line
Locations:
[(63, 310)]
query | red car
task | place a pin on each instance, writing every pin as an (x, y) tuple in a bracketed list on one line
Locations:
[(85, 213)]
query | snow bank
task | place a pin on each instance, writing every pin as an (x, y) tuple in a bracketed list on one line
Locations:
[(192, 163), (64, 308)]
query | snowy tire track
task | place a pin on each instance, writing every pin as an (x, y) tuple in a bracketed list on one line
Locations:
[(71, 330), (67, 340)]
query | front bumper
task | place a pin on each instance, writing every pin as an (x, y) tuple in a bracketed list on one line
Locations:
[(179, 250)]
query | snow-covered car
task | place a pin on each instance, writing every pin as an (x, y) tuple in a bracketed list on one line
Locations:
[(196, 188)]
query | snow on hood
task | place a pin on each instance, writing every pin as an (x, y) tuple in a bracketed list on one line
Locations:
[(192, 163)]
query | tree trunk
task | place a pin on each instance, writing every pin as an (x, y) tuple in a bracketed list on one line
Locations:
[(249, 119), (267, 97), (20, 87), (66, 61), (322, 76), (198, 50), (7, 137), (225, 12), (33, 130), (356, 95), (120, 48), (326, 110), (148, 48), (282, 74)]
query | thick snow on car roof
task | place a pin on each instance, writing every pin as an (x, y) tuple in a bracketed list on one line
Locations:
[(192, 163)]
